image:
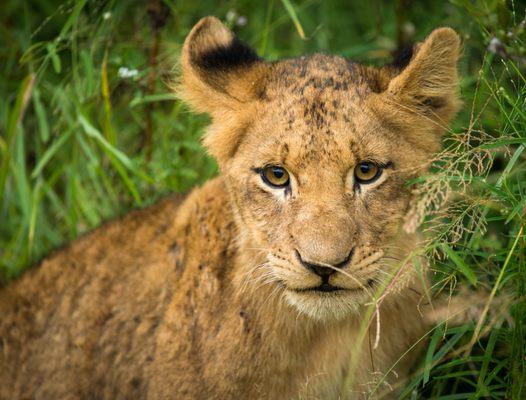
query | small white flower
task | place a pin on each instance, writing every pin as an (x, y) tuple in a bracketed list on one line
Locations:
[(495, 46), (231, 15), (241, 20), (106, 16), (125, 72), (409, 29)]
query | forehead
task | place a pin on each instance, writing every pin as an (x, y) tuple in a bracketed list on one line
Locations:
[(315, 109), (318, 73)]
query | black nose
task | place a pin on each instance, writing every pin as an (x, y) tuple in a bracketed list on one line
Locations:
[(321, 270)]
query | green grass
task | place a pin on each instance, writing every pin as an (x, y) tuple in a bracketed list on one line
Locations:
[(89, 130)]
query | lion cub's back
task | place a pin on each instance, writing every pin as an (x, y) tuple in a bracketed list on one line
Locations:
[(90, 310)]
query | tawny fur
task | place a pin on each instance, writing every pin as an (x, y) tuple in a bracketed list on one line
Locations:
[(202, 297)]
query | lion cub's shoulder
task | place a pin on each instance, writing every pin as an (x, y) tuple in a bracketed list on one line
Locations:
[(179, 234)]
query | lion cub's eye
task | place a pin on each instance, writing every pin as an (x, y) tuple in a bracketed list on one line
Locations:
[(275, 176), (367, 172)]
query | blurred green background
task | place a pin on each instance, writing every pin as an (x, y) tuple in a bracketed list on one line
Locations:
[(89, 130)]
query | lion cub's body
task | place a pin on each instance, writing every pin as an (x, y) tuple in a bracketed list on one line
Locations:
[(143, 307), (249, 289)]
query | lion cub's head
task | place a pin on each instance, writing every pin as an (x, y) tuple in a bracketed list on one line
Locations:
[(316, 152)]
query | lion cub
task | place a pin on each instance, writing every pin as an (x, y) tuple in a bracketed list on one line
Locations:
[(258, 285)]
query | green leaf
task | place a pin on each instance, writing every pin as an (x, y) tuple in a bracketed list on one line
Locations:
[(40, 111), (14, 119), (294, 17), (460, 264), (118, 159), (55, 59), (50, 152), (428, 361), (153, 98)]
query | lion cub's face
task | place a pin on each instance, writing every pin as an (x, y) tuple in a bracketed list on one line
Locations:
[(317, 152), (319, 183)]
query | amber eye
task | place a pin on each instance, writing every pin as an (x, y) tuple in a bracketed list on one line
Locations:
[(275, 176), (367, 172)]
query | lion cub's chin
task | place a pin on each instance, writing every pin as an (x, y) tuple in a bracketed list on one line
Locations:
[(326, 306)]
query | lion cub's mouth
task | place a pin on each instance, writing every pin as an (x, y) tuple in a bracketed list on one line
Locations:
[(324, 287), (327, 288)]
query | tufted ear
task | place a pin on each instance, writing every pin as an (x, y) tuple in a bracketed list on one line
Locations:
[(428, 85), (223, 77)]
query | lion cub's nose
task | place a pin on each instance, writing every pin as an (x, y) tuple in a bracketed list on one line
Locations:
[(324, 271)]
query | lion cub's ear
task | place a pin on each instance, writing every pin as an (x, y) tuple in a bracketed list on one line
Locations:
[(220, 73), (428, 85), (223, 77)]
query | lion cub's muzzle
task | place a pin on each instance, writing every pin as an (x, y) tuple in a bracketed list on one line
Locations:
[(324, 271)]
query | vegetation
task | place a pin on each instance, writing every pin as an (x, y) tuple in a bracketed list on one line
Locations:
[(89, 129)]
